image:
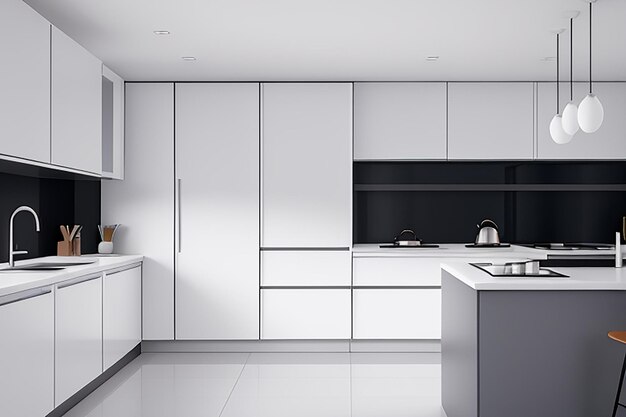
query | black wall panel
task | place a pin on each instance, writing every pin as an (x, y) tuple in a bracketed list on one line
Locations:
[(443, 201)]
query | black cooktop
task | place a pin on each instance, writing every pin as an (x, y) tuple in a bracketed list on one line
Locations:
[(570, 246), (423, 245), (488, 245)]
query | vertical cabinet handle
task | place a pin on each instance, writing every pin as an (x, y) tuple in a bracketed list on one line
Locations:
[(178, 207)]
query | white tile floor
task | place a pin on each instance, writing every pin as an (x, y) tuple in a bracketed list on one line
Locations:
[(270, 385)]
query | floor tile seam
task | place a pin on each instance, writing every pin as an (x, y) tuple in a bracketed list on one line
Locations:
[(235, 385)]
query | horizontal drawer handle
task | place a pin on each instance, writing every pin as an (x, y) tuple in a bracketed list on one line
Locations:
[(24, 295), (307, 287), (79, 280), (122, 269)]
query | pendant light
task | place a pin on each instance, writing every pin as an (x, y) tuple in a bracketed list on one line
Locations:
[(556, 125), (590, 110), (570, 114)]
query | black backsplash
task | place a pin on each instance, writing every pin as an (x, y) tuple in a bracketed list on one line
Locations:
[(58, 198), (530, 201)]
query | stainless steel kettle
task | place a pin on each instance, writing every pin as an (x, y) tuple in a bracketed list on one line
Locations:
[(487, 233)]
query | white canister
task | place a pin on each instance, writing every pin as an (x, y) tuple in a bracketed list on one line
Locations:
[(105, 247)]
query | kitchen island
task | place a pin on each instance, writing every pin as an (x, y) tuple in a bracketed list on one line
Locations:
[(531, 346)]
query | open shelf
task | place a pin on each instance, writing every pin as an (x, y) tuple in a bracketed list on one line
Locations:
[(490, 187)]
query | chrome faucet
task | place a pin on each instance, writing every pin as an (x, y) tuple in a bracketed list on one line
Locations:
[(19, 252)]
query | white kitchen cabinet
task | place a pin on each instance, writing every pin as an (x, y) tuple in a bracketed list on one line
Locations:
[(78, 335), (400, 121), (397, 313), (144, 202), (27, 353), (217, 171), (491, 121), (121, 313), (609, 142), (305, 314), (112, 125), (76, 105), (306, 268), (25, 93), (306, 154), (397, 271)]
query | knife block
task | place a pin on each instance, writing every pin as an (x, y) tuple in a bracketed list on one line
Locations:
[(70, 245), (65, 248)]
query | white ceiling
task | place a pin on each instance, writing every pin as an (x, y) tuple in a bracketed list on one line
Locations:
[(367, 40)]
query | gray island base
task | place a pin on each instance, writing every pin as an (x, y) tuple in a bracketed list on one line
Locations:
[(529, 353)]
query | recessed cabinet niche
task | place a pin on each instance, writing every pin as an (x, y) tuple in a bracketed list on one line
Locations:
[(112, 125)]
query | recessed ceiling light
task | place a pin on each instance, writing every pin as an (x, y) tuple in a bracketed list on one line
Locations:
[(432, 58), (189, 58), (161, 32)]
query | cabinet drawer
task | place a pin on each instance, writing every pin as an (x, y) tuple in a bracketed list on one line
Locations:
[(305, 268), (397, 271), (397, 314), (305, 314)]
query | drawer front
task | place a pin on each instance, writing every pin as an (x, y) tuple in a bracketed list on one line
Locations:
[(305, 268), (397, 314), (305, 314), (397, 271)]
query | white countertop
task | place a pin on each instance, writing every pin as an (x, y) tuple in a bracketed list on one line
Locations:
[(13, 282), (459, 250), (579, 279)]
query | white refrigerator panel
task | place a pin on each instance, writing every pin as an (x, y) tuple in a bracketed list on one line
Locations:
[(217, 171)]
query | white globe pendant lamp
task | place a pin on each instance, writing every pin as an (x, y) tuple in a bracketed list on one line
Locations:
[(570, 113), (557, 133), (590, 110)]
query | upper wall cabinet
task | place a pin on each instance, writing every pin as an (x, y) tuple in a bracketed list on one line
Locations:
[(306, 153), (76, 106), (399, 121), (112, 125), (490, 121), (609, 142), (25, 93)]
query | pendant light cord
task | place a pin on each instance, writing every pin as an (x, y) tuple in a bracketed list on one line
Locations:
[(571, 59), (558, 81), (590, 45)]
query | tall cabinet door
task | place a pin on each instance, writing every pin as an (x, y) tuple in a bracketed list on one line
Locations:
[(25, 93), (76, 105), (217, 171), (307, 165), (144, 202)]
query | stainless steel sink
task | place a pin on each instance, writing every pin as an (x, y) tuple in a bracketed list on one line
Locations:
[(33, 268), (47, 266)]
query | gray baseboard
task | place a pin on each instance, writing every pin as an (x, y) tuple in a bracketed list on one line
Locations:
[(68, 404), (396, 346), (279, 346)]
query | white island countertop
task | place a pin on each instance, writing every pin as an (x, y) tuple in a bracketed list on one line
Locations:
[(16, 281), (596, 279)]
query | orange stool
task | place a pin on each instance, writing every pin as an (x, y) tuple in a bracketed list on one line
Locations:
[(620, 337)]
